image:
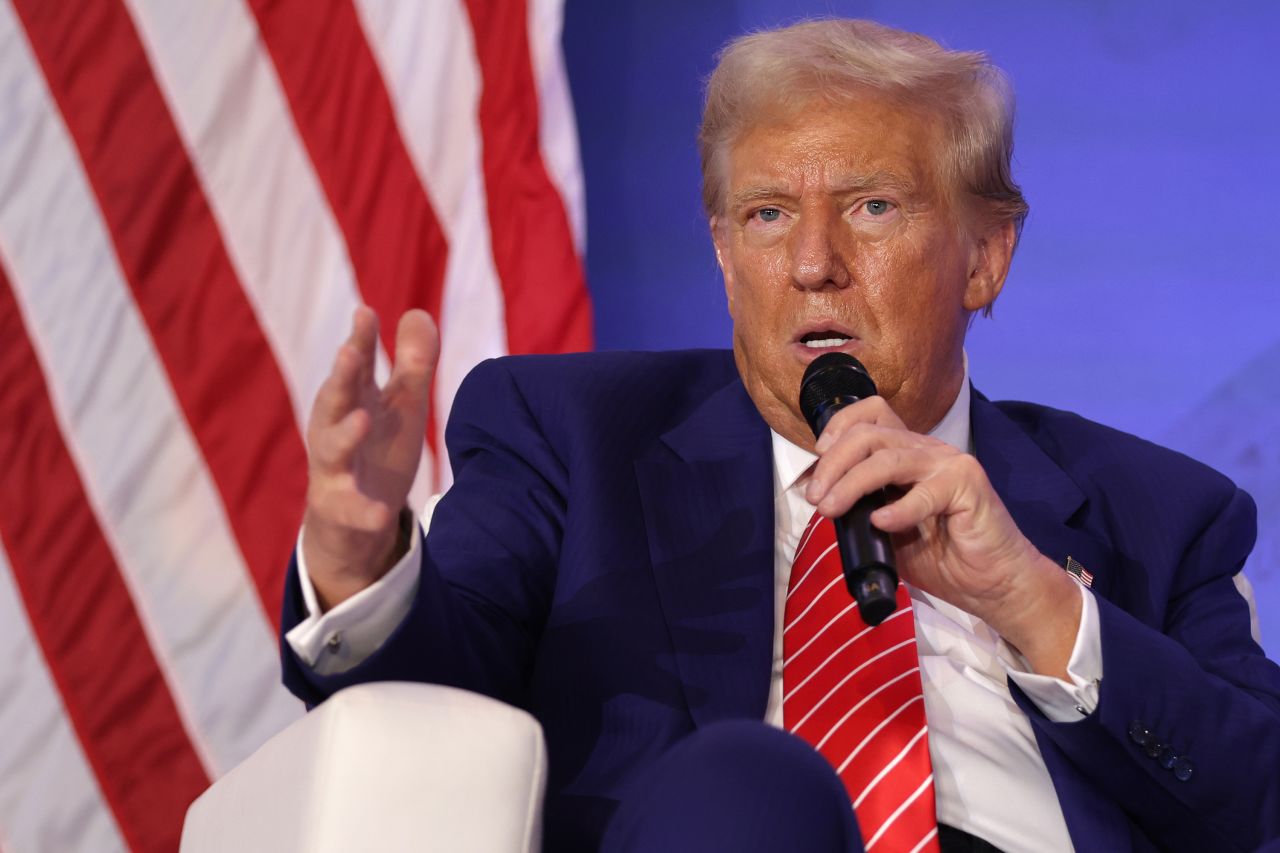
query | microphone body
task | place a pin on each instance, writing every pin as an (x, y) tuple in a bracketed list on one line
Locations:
[(830, 383)]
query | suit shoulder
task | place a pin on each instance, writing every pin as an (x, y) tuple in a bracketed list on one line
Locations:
[(652, 388), (1104, 455), (635, 368)]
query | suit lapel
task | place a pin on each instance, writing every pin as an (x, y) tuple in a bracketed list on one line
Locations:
[(707, 494), (1037, 492)]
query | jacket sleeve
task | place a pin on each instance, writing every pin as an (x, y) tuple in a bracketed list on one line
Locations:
[(1186, 735), (488, 562)]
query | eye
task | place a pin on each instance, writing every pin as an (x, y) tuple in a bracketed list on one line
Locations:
[(769, 214), (877, 207)]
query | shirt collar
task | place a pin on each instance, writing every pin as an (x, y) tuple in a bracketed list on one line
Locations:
[(791, 462)]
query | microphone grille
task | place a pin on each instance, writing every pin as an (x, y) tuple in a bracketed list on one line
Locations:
[(829, 377)]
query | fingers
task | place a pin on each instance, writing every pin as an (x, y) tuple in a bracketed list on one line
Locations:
[(364, 340), (866, 448), (921, 502), (333, 449), (352, 372), (350, 408), (883, 467), (950, 489), (872, 410), (856, 444), (417, 351)]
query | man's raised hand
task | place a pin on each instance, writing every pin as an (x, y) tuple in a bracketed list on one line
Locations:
[(363, 446)]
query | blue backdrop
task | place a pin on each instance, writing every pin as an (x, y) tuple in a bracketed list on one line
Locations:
[(1144, 293)]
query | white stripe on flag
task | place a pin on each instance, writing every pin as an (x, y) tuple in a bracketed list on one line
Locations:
[(141, 469), (225, 99), (280, 234), (49, 797), (142, 472), (558, 127), (436, 95)]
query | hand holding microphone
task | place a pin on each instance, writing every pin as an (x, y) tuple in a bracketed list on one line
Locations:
[(955, 537)]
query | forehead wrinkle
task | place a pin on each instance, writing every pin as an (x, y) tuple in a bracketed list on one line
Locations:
[(847, 184), (881, 179)]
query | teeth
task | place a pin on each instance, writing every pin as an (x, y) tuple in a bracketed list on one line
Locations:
[(824, 342)]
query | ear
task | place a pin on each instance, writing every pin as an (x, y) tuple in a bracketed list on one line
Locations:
[(989, 261), (720, 239)]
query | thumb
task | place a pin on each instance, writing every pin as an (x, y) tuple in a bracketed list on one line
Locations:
[(417, 350)]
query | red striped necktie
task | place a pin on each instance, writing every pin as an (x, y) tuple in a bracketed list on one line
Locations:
[(854, 693)]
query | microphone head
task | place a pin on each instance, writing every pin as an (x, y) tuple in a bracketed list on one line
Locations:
[(831, 382)]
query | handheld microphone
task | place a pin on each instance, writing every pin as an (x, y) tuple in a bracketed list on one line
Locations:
[(830, 383)]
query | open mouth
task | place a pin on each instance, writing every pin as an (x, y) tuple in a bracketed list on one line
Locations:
[(824, 339)]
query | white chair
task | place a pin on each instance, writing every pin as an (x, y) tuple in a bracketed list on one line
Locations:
[(384, 767)]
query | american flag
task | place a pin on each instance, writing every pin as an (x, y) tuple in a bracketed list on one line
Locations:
[(193, 198), (1079, 572)]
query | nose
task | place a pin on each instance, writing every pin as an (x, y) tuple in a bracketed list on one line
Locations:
[(816, 251)]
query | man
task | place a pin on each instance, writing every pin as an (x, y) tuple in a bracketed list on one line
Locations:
[(616, 552)]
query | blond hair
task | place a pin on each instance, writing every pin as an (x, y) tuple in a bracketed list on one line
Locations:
[(843, 60)]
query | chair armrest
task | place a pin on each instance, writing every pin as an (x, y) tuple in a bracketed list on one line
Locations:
[(386, 766)]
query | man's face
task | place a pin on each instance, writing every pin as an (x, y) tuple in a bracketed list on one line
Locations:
[(836, 236)]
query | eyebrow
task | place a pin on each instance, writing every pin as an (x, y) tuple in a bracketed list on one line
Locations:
[(752, 194), (881, 179)]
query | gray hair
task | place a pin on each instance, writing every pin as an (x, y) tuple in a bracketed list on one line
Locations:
[(842, 60)]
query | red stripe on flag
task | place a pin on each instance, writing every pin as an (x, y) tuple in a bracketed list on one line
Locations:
[(347, 123), (548, 309), (220, 365), (78, 605)]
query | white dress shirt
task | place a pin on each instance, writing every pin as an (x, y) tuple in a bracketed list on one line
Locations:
[(989, 777)]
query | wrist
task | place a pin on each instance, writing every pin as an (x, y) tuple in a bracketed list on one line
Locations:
[(1044, 624), (341, 562)]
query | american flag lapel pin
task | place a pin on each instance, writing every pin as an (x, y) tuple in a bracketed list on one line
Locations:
[(1079, 572)]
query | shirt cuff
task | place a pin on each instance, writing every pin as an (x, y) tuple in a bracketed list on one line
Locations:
[(343, 638), (1070, 701)]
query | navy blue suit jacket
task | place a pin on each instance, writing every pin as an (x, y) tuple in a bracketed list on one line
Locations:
[(605, 560)]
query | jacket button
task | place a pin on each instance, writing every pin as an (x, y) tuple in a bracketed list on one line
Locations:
[(1168, 758), (1138, 733), (1154, 748), (1182, 769)]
